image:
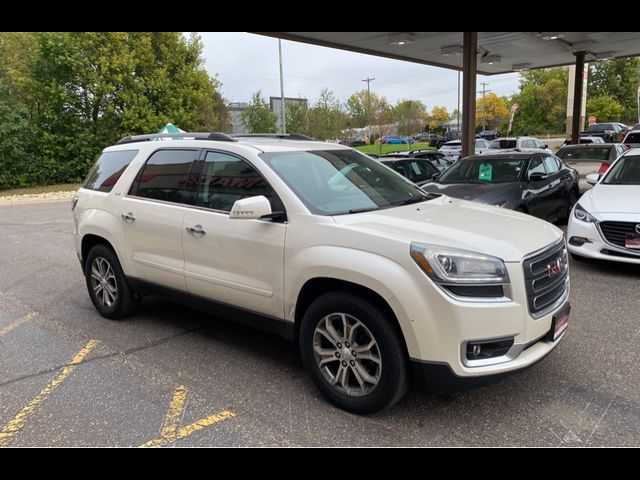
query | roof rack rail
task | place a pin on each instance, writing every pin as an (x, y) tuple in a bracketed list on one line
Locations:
[(284, 136), (219, 136)]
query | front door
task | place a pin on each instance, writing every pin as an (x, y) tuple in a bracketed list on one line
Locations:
[(237, 262)]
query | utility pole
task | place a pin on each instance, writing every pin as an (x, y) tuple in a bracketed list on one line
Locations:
[(282, 106), (484, 105), (368, 80)]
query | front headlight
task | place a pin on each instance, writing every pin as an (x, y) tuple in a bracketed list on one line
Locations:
[(582, 215), (450, 265)]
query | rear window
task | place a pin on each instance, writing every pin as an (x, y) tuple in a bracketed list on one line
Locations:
[(633, 137), (500, 144), (107, 170), (591, 153)]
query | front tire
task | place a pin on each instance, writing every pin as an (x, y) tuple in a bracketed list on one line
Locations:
[(107, 285), (353, 353)]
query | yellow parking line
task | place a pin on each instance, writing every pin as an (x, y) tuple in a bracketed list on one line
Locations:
[(170, 432), (174, 414), (19, 421), (18, 322), (189, 429)]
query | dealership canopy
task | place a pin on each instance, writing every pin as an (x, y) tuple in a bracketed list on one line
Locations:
[(495, 53)]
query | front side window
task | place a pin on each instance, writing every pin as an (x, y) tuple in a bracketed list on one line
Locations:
[(107, 170), (165, 176), (226, 179), (536, 166), (333, 182), (551, 165)]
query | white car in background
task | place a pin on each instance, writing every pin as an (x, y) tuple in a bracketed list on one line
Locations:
[(520, 144), (605, 223), (453, 148)]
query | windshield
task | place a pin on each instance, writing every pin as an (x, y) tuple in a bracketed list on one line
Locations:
[(503, 143), (625, 171), (483, 170), (333, 182), (589, 153)]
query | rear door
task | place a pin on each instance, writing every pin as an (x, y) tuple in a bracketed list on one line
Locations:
[(538, 197), (238, 262), (152, 217), (557, 185)]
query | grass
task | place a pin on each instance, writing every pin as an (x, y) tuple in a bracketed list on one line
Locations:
[(386, 148), (64, 187)]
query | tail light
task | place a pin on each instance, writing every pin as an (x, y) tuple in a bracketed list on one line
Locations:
[(74, 202), (603, 168)]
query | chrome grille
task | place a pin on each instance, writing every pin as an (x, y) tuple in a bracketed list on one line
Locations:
[(546, 276)]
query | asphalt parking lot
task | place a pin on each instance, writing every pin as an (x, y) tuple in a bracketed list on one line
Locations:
[(171, 376)]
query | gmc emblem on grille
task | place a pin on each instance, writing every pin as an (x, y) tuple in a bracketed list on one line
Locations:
[(555, 268)]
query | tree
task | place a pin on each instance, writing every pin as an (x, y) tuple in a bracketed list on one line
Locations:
[(18, 159), (410, 115), (297, 115), (326, 118), (258, 118), (543, 101), (605, 108), (438, 116), (90, 88), (493, 108), (618, 79), (359, 106)]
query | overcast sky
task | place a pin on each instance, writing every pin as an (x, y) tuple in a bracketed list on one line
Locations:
[(245, 63)]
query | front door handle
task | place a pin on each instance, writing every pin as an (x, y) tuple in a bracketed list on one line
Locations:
[(196, 230), (128, 217)]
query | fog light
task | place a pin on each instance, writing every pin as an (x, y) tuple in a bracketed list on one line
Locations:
[(578, 241), (483, 349), (476, 350)]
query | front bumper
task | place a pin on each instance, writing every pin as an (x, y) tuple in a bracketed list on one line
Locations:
[(443, 328), (596, 246)]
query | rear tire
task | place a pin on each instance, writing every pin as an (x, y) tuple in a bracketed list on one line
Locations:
[(107, 285), (353, 353)]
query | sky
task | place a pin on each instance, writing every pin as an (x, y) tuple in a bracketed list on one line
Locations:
[(245, 63)]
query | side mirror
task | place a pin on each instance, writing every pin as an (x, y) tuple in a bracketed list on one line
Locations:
[(546, 146), (593, 178), (251, 208), (435, 176), (537, 177)]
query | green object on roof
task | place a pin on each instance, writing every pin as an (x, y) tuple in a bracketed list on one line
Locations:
[(170, 128)]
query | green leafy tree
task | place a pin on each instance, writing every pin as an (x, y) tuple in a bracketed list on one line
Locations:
[(411, 116), (297, 115), (605, 108), (258, 118), (326, 118), (618, 79), (18, 158), (361, 106)]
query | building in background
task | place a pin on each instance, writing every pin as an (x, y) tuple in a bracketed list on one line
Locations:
[(235, 109), (274, 106)]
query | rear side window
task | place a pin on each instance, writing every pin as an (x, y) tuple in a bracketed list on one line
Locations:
[(633, 137), (107, 170), (165, 176)]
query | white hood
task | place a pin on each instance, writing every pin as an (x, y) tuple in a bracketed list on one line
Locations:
[(460, 224), (618, 199)]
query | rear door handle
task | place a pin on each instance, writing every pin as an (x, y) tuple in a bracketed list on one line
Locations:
[(128, 217), (196, 230)]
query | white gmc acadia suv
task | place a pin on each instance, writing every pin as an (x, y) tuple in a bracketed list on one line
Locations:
[(380, 283)]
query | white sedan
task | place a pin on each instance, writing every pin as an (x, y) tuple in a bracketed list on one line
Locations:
[(453, 148), (605, 223)]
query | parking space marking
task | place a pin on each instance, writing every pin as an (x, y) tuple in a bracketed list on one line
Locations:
[(19, 421), (18, 322), (170, 431)]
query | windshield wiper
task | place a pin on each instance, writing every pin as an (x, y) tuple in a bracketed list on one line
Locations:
[(362, 210), (409, 201)]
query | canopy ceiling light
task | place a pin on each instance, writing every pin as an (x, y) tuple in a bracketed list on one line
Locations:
[(521, 67), (605, 55), (551, 35), (402, 38), (451, 51), (491, 59)]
